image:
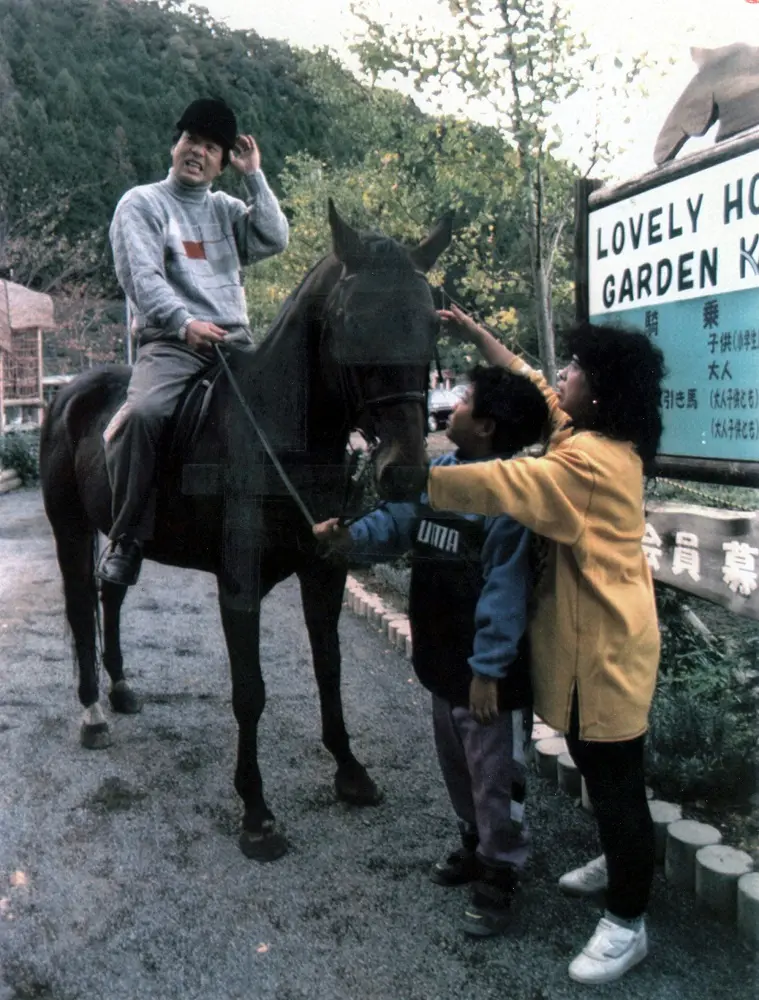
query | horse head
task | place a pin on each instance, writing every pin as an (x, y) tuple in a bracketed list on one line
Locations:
[(382, 325)]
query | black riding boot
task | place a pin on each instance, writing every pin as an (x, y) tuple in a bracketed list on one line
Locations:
[(460, 866), (121, 562), (487, 912)]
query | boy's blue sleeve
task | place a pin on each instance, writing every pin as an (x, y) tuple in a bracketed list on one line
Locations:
[(387, 532), (383, 534), (501, 614)]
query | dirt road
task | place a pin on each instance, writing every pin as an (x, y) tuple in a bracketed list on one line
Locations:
[(120, 875)]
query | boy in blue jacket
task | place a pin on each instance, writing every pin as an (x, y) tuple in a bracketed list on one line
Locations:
[(470, 579)]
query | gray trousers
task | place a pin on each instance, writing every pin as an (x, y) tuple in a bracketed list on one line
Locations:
[(159, 377), (485, 772)]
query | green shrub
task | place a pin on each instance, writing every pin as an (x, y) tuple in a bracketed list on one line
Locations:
[(702, 737), (20, 451), (396, 576), (701, 744)]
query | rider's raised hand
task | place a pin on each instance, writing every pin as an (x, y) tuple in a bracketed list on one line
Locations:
[(200, 334), (246, 156)]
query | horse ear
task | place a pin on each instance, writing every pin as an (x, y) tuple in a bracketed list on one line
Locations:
[(345, 240), (700, 56), (427, 252)]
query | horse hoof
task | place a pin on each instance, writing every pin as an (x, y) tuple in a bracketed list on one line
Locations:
[(124, 700), (353, 785), (266, 844), (95, 737)]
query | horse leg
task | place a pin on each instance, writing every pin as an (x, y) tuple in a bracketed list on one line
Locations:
[(261, 838), (321, 586), (75, 548), (121, 696)]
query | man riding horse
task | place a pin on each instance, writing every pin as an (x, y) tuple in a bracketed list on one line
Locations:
[(178, 250)]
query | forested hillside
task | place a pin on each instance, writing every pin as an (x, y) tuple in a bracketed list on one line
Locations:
[(90, 91), (89, 94)]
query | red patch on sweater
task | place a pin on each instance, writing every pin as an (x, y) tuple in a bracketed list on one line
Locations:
[(194, 250)]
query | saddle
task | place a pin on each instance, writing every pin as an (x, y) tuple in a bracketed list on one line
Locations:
[(350, 491), (190, 414)]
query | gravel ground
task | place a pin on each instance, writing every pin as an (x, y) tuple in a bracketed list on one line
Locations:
[(120, 876)]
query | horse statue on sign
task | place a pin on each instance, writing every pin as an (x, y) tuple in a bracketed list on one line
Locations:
[(725, 88), (350, 349)]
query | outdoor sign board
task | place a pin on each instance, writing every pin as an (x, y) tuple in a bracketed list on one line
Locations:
[(676, 254)]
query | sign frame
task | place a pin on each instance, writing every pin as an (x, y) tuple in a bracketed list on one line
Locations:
[(591, 196)]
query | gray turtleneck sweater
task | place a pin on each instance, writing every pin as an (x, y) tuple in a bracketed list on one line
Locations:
[(178, 251)]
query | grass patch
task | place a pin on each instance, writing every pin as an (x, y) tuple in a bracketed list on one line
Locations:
[(703, 733), (20, 451)]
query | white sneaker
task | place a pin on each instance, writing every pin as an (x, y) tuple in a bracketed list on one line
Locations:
[(610, 953), (586, 881)]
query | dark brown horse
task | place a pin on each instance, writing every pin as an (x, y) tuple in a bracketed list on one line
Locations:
[(350, 349)]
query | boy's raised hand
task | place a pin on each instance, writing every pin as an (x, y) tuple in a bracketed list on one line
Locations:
[(333, 537)]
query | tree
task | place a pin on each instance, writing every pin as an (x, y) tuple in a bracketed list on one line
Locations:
[(518, 61), (401, 191), (99, 111)]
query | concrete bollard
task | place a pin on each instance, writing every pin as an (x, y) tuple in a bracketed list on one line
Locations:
[(11, 481), (568, 775), (546, 755), (402, 632), (390, 621), (584, 797), (663, 813), (378, 616), (390, 628), (542, 731), (684, 838), (373, 610), (718, 869), (748, 907), (408, 647)]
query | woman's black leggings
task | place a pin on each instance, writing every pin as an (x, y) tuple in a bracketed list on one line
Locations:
[(614, 777)]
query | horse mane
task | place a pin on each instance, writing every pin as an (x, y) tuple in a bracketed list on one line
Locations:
[(308, 288)]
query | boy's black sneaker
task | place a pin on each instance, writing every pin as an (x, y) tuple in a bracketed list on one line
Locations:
[(487, 912), (458, 868)]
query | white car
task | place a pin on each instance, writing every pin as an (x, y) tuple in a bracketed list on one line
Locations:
[(440, 405)]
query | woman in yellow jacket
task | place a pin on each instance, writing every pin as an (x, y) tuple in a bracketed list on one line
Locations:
[(594, 633)]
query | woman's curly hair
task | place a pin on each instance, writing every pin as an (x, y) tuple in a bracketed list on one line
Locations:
[(625, 372)]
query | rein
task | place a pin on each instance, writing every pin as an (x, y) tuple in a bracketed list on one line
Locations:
[(289, 486), (264, 440)]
